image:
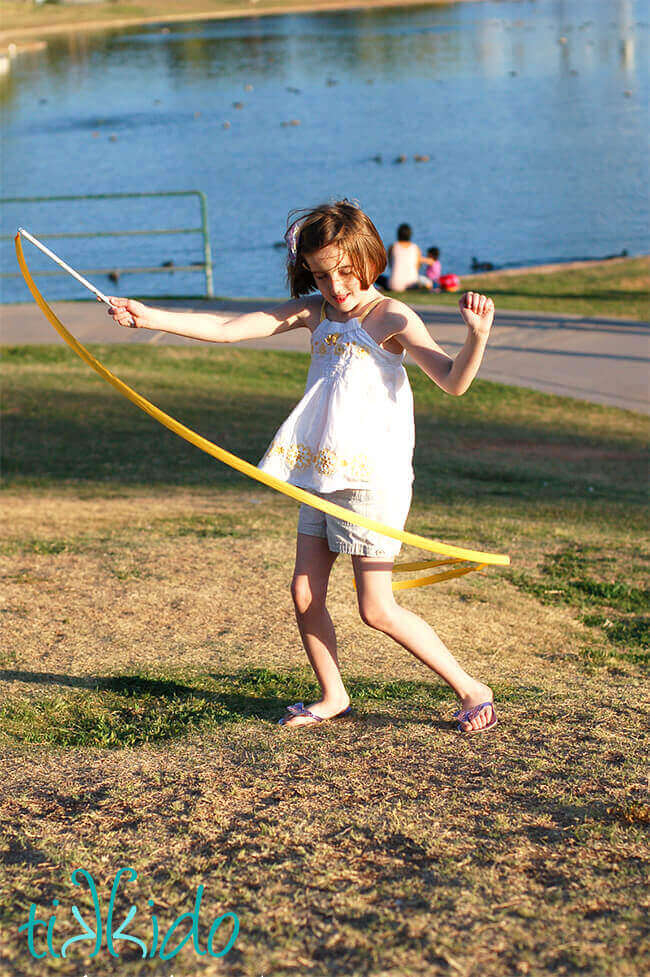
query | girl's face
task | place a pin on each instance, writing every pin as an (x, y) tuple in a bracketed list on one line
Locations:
[(336, 280)]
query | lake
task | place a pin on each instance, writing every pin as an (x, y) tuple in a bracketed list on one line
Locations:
[(532, 114)]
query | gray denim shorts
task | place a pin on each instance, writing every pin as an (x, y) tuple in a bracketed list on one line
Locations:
[(390, 507)]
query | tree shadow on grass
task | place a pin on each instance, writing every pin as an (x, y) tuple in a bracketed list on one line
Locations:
[(133, 709), (57, 435)]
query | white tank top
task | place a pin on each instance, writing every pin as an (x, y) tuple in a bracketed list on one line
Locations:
[(354, 426), (403, 266)]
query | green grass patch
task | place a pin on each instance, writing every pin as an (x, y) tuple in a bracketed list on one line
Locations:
[(213, 526), (618, 290), (133, 709), (209, 527), (47, 547), (565, 580), (631, 634), (63, 424), (574, 576)]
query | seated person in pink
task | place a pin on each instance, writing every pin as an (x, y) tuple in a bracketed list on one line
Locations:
[(431, 277)]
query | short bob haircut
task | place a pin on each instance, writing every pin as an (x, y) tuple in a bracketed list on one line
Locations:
[(342, 223)]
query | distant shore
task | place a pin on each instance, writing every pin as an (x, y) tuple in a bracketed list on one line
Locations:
[(615, 289), (109, 16)]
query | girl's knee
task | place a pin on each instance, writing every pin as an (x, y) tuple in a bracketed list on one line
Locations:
[(379, 616), (305, 595)]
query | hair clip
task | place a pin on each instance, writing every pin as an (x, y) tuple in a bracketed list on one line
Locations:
[(291, 239)]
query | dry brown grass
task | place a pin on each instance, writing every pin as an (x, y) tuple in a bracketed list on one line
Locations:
[(389, 845), (126, 580)]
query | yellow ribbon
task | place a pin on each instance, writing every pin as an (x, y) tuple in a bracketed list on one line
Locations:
[(457, 554)]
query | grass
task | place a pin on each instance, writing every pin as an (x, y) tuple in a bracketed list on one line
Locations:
[(149, 647), (620, 289), (571, 576), (25, 15), (137, 708)]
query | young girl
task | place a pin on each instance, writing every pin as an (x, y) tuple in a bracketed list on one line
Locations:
[(433, 270), (350, 439)]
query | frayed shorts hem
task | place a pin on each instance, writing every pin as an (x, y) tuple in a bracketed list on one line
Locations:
[(350, 549)]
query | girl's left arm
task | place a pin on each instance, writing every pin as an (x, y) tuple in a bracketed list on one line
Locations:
[(454, 376)]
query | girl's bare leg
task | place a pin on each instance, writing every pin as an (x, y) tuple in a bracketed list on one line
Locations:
[(379, 610), (314, 562)]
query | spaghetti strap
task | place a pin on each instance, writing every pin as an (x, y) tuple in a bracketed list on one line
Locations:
[(359, 318), (369, 308)]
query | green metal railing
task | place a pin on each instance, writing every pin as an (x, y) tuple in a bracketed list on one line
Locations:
[(205, 266)]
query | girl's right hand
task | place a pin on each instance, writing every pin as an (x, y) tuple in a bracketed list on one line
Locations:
[(129, 313)]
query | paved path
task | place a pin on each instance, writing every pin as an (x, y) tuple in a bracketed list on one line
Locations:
[(604, 361)]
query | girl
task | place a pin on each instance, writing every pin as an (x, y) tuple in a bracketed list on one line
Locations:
[(350, 439)]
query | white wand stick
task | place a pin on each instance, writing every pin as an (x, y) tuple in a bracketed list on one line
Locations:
[(62, 264), (75, 274)]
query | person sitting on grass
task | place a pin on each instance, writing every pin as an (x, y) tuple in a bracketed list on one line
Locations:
[(431, 277), (404, 260), (350, 439)]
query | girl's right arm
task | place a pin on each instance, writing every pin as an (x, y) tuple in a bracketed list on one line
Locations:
[(215, 328)]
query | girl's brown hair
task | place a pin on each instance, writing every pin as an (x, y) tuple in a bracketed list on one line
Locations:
[(341, 223)]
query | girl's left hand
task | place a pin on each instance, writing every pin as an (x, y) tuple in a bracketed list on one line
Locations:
[(478, 313)]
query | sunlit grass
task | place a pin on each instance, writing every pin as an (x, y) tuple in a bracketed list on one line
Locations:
[(620, 289)]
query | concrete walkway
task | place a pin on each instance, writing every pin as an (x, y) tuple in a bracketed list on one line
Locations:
[(604, 361)]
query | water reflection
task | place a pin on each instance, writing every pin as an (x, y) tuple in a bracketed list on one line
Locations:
[(385, 42)]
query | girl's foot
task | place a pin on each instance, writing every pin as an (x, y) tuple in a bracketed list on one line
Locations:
[(480, 694), (325, 709)]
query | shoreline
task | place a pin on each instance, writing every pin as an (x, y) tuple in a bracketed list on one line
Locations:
[(547, 269), (11, 36), (524, 271)]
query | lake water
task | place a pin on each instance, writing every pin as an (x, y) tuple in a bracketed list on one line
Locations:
[(534, 116)]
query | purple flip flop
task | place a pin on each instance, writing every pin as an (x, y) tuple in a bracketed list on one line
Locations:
[(468, 714), (299, 709)]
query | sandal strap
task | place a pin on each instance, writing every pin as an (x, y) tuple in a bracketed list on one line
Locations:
[(298, 709), (469, 714)]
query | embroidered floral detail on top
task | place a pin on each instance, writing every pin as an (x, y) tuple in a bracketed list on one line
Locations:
[(300, 457), (331, 343)]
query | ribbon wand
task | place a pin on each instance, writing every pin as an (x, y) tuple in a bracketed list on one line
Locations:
[(75, 274)]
